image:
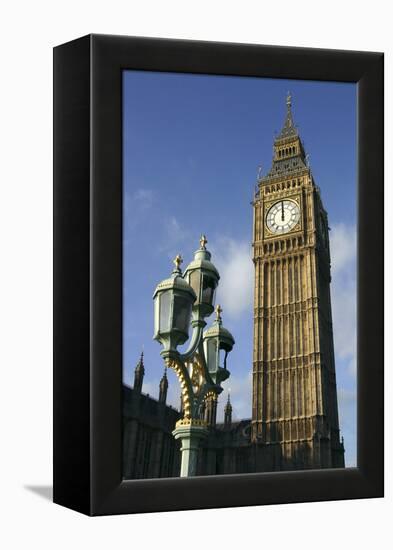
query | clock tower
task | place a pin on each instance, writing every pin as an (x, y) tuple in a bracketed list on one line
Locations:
[(294, 402)]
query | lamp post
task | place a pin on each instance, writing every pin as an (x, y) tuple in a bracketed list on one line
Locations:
[(182, 301)]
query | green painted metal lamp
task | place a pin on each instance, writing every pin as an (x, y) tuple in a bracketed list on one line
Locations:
[(173, 301), (181, 301)]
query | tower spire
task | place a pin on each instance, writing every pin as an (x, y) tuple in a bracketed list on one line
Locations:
[(139, 374), (228, 412), (289, 100), (163, 387), (288, 149), (289, 129)]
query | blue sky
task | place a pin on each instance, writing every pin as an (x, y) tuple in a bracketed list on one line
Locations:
[(192, 145)]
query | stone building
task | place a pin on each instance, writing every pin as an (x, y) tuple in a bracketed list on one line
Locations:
[(149, 449), (294, 422)]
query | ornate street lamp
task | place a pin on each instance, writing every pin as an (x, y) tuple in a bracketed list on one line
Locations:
[(173, 301), (215, 340), (203, 277), (181, 301)]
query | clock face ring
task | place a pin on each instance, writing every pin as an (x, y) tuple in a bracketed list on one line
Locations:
[(282, 216)]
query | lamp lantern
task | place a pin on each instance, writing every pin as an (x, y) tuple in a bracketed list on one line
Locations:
[(203, 277), (216, 339), (173, 300)]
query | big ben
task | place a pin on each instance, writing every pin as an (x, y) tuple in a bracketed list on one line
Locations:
[(294, 402)]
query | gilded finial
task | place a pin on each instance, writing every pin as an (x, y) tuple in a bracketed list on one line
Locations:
[(178, 261), (218, 311), (289, 100), (203, 242)]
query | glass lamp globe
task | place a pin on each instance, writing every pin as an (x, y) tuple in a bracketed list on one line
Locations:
[(173, 300), (216, 339), (203, 277)]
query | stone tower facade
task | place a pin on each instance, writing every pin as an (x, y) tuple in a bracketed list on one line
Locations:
[(294, 402)]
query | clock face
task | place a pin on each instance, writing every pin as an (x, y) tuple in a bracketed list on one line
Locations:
[(282, 216)]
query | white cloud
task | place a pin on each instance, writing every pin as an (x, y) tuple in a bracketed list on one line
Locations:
[(143, 198), (135, 206), (233, 261), (352, 364), (344, 318), (342, 247), (174, 237), (240, 389), (174, 229), (346, 397), (140, 200), (343, 291), (347, 419)]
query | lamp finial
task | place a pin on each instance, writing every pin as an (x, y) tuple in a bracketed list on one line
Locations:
[(178, 261), (203, 241)]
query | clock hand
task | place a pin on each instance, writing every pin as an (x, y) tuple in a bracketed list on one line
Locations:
[(282, 211)]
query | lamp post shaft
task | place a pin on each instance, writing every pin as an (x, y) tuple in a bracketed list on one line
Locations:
[(190, 436)]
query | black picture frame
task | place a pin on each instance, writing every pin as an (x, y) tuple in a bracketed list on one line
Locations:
[(88, 274)]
